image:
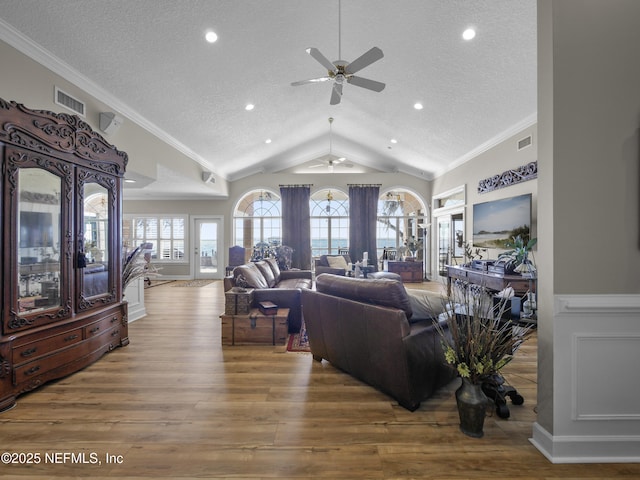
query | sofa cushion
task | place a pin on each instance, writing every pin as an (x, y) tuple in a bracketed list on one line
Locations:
[(377, 291), (267, 273), (273, 263), (425, 304), (252, 275), (295, 283), (337, 261)]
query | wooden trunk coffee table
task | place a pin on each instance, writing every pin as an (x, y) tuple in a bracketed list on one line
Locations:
[(255, 328)]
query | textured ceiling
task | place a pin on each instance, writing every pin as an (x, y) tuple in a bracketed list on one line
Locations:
[(151, 56)]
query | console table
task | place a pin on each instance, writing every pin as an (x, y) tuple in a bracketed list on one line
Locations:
[(491, 280)]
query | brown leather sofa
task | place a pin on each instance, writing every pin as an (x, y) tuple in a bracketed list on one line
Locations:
[(365, 327), (281, 287)]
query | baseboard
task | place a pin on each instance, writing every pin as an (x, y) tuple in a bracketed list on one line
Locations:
[(136, 313), (586, 449)]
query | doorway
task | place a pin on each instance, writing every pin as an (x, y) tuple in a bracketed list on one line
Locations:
[(450, 239), (208, 257)]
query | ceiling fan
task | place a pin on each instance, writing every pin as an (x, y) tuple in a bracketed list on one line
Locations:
[(342, 72), (330, 161)]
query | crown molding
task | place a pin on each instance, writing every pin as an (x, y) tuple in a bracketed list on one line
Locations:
[(489, 144), (36, 52)]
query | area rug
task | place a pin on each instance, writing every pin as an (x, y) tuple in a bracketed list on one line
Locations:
[(157, 283), (299, 342), (193, 283)]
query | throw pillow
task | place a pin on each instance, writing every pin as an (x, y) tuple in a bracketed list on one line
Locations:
[(337, 262), (241, 281)]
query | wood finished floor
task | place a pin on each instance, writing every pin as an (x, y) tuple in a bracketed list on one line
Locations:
[(175, 404)]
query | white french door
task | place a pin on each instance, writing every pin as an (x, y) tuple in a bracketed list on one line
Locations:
[(208, 254), (449, 238)]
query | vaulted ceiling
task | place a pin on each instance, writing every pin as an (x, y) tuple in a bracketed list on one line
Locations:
[(151, 59)]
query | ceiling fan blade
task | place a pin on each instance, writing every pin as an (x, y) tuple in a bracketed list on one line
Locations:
[(336, 94), (311, 80), (364, 60), (366, 83), (318, 165), (315, 53)]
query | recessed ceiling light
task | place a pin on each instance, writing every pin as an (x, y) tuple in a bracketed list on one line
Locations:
[(418, 106), (469, 34), (393, 140), (249, 107), (211, 36), (268, 140)]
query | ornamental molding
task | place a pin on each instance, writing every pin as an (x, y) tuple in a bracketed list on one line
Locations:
[(510, 177)]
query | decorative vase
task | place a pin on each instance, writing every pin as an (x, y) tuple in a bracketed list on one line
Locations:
[(472, 408)]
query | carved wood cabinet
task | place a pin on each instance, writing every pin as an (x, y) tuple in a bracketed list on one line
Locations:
[(61, 202)]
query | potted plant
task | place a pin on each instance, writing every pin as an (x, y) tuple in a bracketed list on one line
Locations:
[(478, 343), (517, 259), (135, 264)]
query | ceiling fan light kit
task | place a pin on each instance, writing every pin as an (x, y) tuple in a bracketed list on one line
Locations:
[(342, 72), (331, 161)]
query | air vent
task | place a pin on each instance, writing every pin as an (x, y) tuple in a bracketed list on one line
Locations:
[(67, 101), (524, 143)]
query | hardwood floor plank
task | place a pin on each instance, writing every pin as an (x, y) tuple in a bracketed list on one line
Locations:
[(176, 404)]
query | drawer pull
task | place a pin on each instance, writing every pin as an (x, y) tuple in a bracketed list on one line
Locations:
[(32, 370), (114, 319), (115, 333), (70, 337), (94, 330), (29, 352)]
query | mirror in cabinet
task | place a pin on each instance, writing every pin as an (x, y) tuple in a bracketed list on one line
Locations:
[(96, 240), (38, 292), (97, 206)]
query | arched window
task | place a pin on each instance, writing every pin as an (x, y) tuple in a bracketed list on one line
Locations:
[(257, 220), (401, 223), (329, 210)]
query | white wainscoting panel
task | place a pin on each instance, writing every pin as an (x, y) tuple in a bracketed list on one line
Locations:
[(134, 295), (606, 383), (596, 397)]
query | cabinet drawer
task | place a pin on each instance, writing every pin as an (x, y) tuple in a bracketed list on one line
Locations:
[(105, 323), (29, 351), (30, 371)]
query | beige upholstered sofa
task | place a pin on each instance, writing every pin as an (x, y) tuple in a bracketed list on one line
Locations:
[(336, 264)]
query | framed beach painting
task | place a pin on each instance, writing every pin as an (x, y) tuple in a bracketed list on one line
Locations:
[(497, 221)]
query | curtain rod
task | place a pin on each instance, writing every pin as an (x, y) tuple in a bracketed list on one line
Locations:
[(364, 184), (297, 185)]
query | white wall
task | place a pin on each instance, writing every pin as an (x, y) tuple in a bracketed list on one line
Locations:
[(589, 295), (270, 182), (498, 159), (26, 81)]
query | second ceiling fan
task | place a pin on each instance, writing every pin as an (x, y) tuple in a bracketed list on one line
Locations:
[(342, 72)]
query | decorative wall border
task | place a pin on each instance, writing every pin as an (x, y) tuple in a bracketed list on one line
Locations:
[(510, 177)]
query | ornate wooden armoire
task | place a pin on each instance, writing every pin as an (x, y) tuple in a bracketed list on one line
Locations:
[(61, 267)]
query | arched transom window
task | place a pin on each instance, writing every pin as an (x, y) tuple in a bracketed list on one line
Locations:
[(401, 223), (258, 220), (329, 210)]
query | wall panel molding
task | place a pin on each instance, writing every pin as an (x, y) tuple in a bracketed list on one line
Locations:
[(596, 350)]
